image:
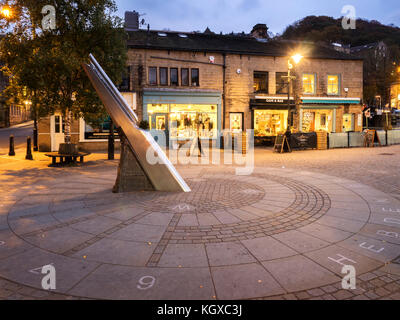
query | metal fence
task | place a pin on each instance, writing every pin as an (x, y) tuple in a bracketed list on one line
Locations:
[(356, 139)]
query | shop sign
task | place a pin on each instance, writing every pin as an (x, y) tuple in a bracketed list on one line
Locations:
[(303, 140)]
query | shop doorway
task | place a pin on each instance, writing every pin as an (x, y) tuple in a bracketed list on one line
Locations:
[(57, 127), (348, 122), (236, 121)]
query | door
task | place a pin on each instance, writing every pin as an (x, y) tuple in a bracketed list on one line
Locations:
[(348, 122), (236, 121), (57, 127)]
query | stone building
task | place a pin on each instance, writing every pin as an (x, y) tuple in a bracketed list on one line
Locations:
[(179, 79)]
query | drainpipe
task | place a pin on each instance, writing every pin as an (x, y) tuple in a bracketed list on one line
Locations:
[(223, 91)]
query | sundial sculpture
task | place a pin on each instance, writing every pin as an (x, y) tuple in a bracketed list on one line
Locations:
[(135, 172)]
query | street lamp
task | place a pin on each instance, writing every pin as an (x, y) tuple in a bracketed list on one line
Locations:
[(296, 59), (6, 12)]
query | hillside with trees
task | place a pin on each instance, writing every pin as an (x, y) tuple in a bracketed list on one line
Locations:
[(379, 71)]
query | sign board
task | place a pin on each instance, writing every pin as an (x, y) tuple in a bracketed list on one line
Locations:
[(282, 144), (303, 140), (370, 138)]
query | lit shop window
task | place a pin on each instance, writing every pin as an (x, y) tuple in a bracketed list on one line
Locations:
[(309, 83), (186, 120), (236, 121), (317, 120), (260, 82), (333, 84), (269, 122)]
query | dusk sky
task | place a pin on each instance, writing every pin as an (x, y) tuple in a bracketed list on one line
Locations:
[(242, 15)]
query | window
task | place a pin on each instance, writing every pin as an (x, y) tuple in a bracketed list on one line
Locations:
[(164, 76), (174, 77), (195, 78), (59, 124), (333, 84), (260, 82), (126, 81), (270, 122), (309, 83), (185, 76), (317, 120), (236, 121), (153, 76), (281, 83)]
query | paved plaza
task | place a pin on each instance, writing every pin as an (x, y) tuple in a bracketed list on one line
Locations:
[(283, 232)]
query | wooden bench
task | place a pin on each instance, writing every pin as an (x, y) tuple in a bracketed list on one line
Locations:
[(66, 158)]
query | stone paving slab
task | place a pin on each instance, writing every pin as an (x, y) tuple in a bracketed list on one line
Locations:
[(299, 273), (250, 280), (119, 282)]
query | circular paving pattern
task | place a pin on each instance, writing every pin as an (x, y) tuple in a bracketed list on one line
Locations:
[(266, 234)]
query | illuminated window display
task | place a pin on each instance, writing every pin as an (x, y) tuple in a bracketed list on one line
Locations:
[(270, 122), (235, 121), (317, 120), (184, 121)]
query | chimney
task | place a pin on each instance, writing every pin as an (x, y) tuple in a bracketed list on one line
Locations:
[(131, 20), (260, 31)]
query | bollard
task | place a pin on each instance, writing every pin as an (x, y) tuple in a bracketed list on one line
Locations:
[(29, 149), (111, 142), (12, 151), (35, 140)]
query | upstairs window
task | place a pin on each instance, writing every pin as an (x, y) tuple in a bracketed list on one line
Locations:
[(174, 81), (195, 78), (333, 84), (126, 81), (281, 83), (260, 82), (309, 83), (152, 76), (185, 76), (163, 76)]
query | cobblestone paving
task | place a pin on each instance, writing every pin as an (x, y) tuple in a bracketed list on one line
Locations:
[(305, 222)]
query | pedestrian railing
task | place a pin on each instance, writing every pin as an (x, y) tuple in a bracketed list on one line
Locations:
[(356, 139)]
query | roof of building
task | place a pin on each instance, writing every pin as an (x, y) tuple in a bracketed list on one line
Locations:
[(367, 47), (193, 41)]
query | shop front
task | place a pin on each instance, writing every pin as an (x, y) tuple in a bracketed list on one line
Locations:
[(183, 115), (330, 115), (317, 118), (269, 118)]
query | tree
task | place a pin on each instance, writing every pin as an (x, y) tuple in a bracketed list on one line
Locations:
[(48, 62)]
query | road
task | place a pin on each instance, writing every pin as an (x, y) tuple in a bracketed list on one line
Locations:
[(20, 132)]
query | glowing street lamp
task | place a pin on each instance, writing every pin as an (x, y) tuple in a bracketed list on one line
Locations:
[(297, 58), (6, 12)]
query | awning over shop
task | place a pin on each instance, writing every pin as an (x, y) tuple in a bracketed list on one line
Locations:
[(328, 100)]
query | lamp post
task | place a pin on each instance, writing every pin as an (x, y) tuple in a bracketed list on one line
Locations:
[(296, 59)]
